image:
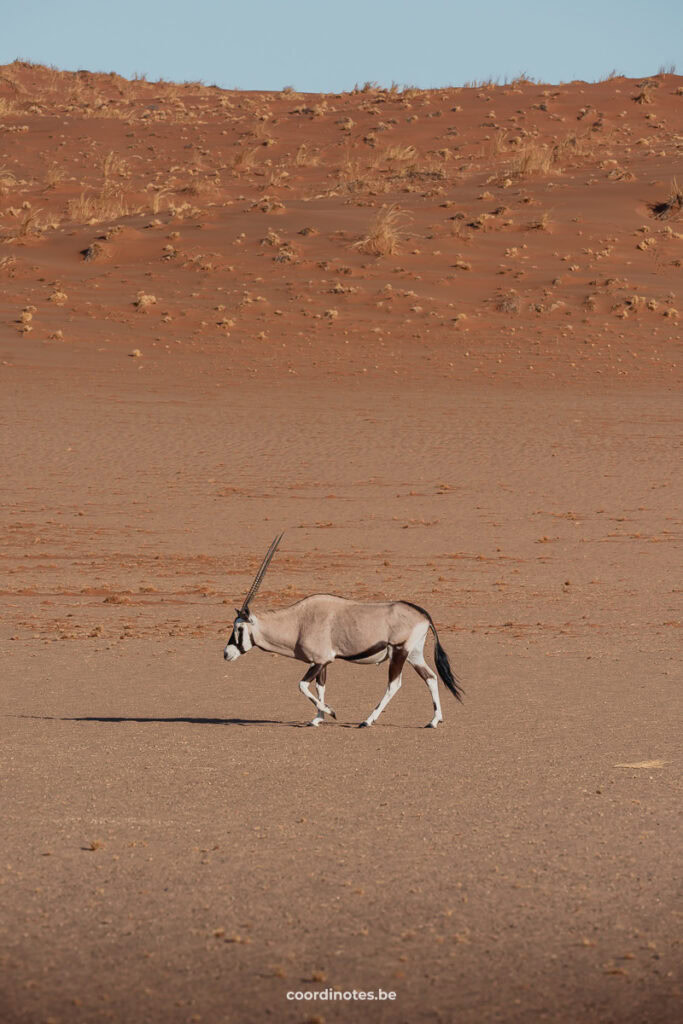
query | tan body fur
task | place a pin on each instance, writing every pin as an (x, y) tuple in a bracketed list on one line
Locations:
[(322, 627)]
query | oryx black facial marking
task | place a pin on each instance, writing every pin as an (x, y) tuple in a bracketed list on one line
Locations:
[(238, 637)]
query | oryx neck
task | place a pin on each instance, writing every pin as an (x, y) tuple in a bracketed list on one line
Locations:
[(268, 633)]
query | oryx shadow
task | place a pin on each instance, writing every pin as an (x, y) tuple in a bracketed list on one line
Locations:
[(191, 720), (157, 720)]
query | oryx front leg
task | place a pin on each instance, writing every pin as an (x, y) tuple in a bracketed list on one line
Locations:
[(316, 671), (417, 660), (396, 664), (320, 687)]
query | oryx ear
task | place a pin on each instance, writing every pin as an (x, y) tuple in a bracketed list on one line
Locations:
[(238, 613)]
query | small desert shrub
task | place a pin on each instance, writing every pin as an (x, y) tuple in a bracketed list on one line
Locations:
[(542, 223), (304, 157), (399, 153), (672, 205), (7, 181), (143, 302), (385, 233), (507, 302), (268, 204)]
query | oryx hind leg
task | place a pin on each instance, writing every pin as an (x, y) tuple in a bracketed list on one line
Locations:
[(317, 671), (398, 660), (417, 660)]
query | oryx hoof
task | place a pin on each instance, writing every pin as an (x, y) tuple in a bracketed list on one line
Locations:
[(331, 713), (365, 725), (316, 721), (432, 725)]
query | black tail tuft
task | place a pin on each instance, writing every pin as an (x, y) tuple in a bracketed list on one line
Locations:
[(443, 667)]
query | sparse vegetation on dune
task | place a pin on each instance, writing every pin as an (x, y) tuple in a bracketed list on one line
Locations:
[(511, 198)]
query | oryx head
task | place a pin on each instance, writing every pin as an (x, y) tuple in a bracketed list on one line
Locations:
[(241, 639)]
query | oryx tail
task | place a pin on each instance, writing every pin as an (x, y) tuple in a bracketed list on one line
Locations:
[(443, 665)]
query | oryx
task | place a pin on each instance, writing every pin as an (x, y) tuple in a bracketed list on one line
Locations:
[(321, 628)]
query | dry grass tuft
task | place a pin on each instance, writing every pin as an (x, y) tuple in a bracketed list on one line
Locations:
[(53, 175), (91, 209), (30, 225), (114, 166), (645, 94), (385, 234), (671, 206), (534, 158), (304, 157), (244, 160), (541, 223)]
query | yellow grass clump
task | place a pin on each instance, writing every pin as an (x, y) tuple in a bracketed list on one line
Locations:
[(534, 158), (385, 235), (91, 209)]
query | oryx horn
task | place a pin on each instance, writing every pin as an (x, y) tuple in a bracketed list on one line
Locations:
[(260, 574)]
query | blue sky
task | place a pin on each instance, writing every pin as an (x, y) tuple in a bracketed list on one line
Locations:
[(315, 45)]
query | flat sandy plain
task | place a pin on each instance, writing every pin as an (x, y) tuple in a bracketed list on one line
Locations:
[(176, 845)]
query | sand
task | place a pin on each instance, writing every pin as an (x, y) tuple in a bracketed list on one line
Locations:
[(177, 845)]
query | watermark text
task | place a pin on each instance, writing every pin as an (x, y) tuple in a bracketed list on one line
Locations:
[(347, 996)]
